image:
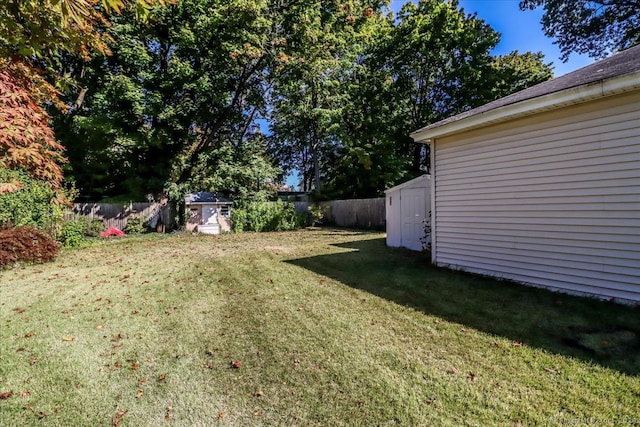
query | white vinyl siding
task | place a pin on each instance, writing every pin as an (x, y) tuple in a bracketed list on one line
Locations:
[(551, 200)]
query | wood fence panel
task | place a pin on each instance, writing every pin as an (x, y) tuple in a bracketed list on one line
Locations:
[(354, 213), (114, 215)]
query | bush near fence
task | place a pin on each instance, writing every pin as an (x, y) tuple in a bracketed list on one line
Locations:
[(355, 213)]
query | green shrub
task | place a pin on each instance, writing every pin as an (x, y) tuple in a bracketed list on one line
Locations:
[(317, 214), (238, 219), (135, 225), (31, 205), (72, 233), (93, 227), (26, 243), (267, 216)]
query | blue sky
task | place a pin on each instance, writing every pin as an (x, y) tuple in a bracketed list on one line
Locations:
[(521, 31)]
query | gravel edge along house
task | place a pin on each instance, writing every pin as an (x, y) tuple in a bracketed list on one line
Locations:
[(543, 186)]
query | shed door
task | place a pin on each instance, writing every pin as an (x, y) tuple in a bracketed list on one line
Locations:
[(414, 209), (209, 215)]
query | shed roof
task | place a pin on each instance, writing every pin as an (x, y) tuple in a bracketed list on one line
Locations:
[(409, 183), (205, 197), (625, 63)]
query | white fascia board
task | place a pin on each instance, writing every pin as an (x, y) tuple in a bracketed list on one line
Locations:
[(408, 183), (576, 95)]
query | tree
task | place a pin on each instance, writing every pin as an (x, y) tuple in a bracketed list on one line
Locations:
[(515, 71), (593, 27), (174, 97), (26, 140), (324, 39), (33, 36), (432, 62)]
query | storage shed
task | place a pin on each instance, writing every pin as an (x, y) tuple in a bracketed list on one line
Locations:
[(407, 208), (543, 186), (208, 212)]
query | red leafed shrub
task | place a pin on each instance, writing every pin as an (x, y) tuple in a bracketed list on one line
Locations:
[(26, 244)]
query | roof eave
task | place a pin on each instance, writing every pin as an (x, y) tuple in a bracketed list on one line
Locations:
[(571, 96), (405, 184)]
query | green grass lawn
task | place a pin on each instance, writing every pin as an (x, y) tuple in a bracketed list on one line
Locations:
[(327, 327)]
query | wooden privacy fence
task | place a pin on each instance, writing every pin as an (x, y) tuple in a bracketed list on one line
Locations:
[(355, 213), (117, 215)]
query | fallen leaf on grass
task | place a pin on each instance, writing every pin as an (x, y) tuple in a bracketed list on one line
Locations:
[(517, 344), (99, 326), (472, 376), (222, 415), (34, 361), (452, 370), (6, 394), (19, 310), (139, 393), (551, 371), (235, 365), (259, 393), (25, 393), (117, 338), (117, 418), (28, 335), (162, 377), (68, 339), (168, 415)]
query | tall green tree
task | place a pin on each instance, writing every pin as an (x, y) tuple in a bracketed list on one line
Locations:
[(324, 39), (432, 62), (593, 27), (175, 94)]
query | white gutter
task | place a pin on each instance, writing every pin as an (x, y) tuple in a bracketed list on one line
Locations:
[(576, 95)]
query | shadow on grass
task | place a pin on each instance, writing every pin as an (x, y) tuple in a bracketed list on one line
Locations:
[(592, 330)]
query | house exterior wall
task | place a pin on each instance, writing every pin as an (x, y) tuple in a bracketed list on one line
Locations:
[(551, 200)]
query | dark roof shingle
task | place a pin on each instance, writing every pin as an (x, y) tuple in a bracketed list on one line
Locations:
[(204, 197)]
